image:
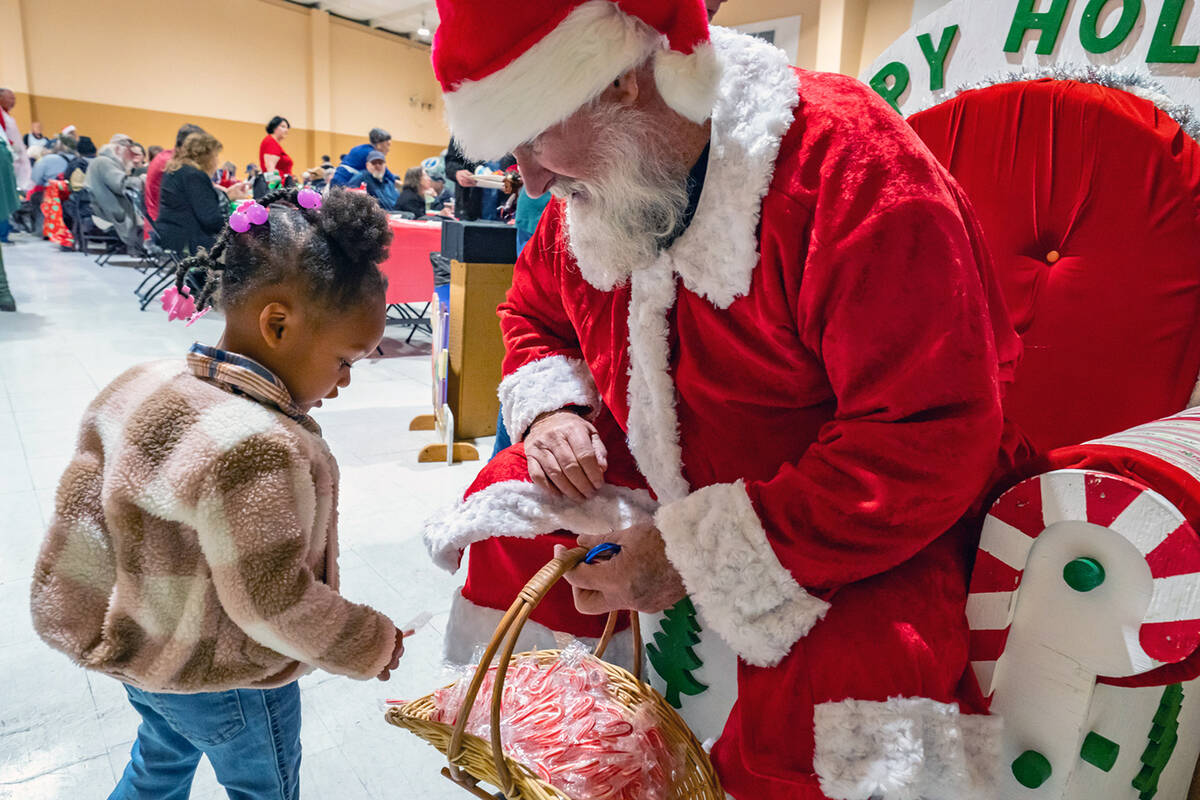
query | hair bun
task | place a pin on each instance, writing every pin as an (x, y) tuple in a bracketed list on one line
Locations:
[(358, 226)]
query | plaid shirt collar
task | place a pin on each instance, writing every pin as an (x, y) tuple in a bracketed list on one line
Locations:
[(246, 377)]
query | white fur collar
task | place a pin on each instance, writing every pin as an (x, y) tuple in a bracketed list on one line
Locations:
[(717, 254)]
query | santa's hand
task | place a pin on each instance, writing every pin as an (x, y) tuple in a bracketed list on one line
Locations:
[(565, 455), (639, 577)]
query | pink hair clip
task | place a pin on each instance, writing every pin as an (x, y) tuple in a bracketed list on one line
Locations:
[(178, 303), (248, 213), (308, 198)]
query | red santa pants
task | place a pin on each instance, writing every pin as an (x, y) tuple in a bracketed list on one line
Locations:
[(899, 634)]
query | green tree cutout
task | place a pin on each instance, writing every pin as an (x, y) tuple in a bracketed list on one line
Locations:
[(1164, 734), (673, 658)]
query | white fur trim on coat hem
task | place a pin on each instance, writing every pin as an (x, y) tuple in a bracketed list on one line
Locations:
[(471, 626), (524, 510), (715, 540), (547, 384), (905, 748)]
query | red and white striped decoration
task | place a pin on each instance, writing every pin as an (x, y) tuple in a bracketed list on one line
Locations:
[(1171, 630)]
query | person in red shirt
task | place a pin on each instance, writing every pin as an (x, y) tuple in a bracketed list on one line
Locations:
[(271, 155), (154, 173)]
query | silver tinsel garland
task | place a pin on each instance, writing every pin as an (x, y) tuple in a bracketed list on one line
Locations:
[(1133, 82)]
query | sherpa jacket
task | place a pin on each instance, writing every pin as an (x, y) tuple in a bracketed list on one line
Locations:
[(194, 542)]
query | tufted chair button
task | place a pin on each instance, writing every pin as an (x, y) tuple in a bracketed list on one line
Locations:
[(1052, 256)]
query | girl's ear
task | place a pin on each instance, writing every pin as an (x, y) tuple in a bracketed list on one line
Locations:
[(274, 322)]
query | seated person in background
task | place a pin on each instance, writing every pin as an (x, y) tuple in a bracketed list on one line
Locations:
[(227, 175), (380, 183), (412, 196), (158, 164), (192, 210), (78, 166), (355, 161), (106, 181), (35, 137), (252, 172), (138, 163), (52, 164)]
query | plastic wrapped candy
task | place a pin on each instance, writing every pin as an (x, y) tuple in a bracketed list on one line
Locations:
[(560, 720)]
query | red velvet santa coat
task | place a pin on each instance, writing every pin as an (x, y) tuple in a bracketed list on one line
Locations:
[(810, 381)]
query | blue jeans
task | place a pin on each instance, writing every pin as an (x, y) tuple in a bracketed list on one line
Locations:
[(251, 738)]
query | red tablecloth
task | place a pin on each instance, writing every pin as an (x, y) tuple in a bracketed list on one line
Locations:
[(407, 267)]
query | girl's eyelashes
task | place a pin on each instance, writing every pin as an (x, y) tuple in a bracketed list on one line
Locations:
[(346, 364)]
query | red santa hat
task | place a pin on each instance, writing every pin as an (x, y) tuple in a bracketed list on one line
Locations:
[(510, 71)]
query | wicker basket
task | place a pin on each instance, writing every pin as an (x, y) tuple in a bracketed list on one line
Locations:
[(472, 759)]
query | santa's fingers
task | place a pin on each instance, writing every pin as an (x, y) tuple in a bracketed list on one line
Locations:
[(583, 441), (537, 475), (562, 472)]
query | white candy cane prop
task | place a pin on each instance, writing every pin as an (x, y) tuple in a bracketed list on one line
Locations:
[(1109, 578)]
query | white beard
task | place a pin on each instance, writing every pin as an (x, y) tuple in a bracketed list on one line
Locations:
[(617, 223)]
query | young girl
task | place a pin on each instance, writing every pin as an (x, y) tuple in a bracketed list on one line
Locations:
[(193, 550)]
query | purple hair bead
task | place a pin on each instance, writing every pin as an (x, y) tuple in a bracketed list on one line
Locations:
[(309, 198), (239, 222), (257, 213)]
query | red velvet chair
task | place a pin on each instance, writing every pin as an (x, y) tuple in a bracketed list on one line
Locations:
[(1085, 600)]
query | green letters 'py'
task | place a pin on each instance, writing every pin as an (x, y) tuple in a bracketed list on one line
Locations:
[(899, 75), (937, 58)]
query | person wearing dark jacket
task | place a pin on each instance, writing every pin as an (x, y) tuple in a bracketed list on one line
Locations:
[(378, 182), (411, 199), (191, 210), (355, 161), (468, 196)]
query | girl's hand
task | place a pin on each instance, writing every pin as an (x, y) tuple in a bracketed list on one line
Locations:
[(397, 651)]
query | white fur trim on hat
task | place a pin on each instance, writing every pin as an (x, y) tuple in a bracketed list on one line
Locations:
[(715, 540), (524, 510), (547, 384), (688, 81), (904, 748), (569, 66), (471, 627)]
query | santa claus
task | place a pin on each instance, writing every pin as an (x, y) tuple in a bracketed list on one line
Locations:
[(758, 279)]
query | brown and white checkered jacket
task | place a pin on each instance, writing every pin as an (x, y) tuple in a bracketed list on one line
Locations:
[(194, 541)]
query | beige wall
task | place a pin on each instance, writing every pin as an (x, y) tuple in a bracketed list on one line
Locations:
[(866, 28), (143, 69)]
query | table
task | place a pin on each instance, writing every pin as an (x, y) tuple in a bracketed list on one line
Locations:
[(407, 267), (408, 271)]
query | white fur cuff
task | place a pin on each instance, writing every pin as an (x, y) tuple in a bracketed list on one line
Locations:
[(547, 384), (716, 541), (524, 510), (904, 748)]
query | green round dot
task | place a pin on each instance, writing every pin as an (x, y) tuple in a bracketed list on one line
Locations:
[(1031, 769), (1083, 574), (1099, 752)]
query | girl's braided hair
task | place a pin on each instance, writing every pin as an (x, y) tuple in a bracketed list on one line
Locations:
[(334, 250)]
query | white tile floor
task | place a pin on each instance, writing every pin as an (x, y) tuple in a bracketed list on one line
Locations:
[(65, 733)]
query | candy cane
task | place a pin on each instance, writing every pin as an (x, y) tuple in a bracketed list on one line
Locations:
[(1116, 595)]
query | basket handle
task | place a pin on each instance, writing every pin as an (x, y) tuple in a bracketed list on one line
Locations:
[(510, 626)]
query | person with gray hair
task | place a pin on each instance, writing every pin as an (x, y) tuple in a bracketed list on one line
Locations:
[(355, 162), (107, 179)]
